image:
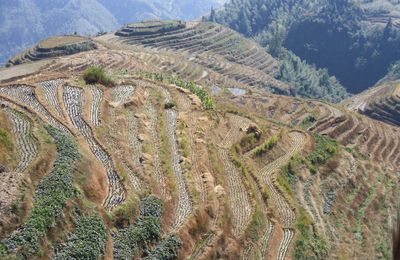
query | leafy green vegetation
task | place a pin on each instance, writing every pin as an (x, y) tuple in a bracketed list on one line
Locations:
[(324, 149), (166, 249), (201, 92), (269, 23), (308, 80), (309, 244), (284, 183), (268, 145), (364, 205), (97, 75), (126, 212), (288, 173), (256, 225), (6, 139), (147, 230), (249, 141), (51, 196), (88, 241), (356, 152), (308, 121)]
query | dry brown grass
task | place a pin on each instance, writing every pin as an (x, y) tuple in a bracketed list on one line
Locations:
[(7, 149), (58, 41), (92, 179)]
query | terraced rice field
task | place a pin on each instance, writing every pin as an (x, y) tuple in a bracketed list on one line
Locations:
[(73, 98), (240, 202), (154, 132)]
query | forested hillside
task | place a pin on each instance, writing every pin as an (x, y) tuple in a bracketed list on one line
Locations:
[(355, 40), (25, 22)]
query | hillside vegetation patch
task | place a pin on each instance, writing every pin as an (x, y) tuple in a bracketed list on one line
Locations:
[(325, 148), (96, 75), (268, 145), (309, 244), (146, 231), (88, 241), (51, 196), (201, 92)]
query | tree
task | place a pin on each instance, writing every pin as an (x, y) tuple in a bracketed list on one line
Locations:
[(244, 23), (212, 15)]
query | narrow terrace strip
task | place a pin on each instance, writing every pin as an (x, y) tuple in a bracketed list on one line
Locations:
[(26, 96), (50, 89), (185, 204), (27, 147), (73, 99), (95, 108)]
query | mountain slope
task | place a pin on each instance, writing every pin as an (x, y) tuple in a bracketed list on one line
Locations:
[(185, 155), (25, 22), (127, 11), (355, 40), (380, 102), (206, 48)]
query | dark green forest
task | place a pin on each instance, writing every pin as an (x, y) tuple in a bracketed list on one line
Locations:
[(339, 35)]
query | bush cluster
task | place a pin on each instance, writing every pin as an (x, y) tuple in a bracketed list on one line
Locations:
[(169, 105), (145, 231), (308, 121), (97, 75), (166, 249), (50, 199), (324, 149), (151, 206), (309, 244), (268, 145), (88, 241)]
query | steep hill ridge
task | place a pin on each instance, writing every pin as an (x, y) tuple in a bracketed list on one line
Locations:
[(380, 102), (54, 47)]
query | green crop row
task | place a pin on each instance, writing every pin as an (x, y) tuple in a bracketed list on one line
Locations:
[(51, 196), (201, 92), (88, 241), (146, 231)]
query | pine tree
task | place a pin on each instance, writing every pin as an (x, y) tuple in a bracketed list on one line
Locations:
[(212, 15)]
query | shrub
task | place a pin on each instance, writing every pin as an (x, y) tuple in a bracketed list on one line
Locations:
[(88, 241), (325, 148), (169, 105), (6, 139), (289, 174), (166, 250), (308, 121), (151, 206), (147, 229), (309, 244), (97, 75), (249, 141), (268, 145)]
